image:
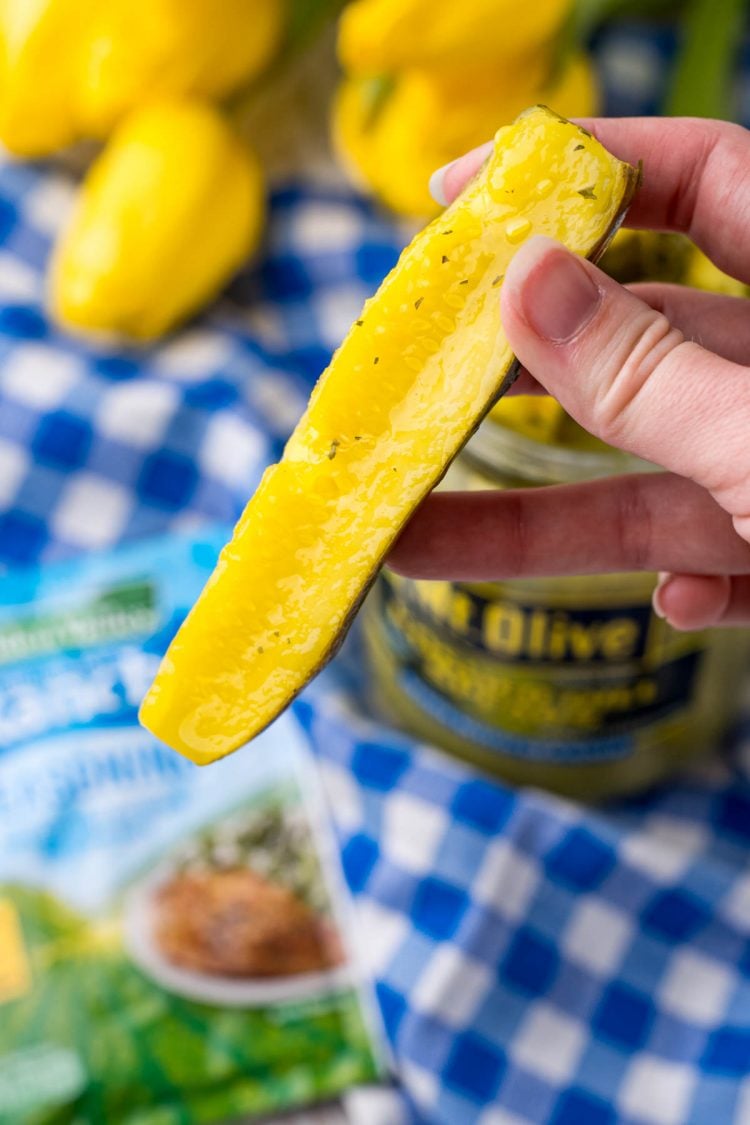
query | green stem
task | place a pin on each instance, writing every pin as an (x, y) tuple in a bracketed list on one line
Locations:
[(307, 18), (703, 79), (586, 16)]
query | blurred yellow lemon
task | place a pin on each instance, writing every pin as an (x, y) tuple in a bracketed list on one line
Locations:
[(142, 51), (535, 416), (40, 54), (167, 213), (392, 134), (376, 36), (701, 273)]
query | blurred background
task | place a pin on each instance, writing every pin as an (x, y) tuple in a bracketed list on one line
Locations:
[(152, 108), (196, 196)]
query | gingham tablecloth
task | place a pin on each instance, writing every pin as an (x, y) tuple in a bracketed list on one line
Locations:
[(535, 961)]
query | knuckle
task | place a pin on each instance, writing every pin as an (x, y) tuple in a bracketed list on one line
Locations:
[(720, 142), (655, 339)]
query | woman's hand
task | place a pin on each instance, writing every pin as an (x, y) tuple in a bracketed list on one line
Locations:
[(658, 370)]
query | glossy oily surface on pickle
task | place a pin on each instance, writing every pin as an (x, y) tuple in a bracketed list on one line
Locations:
[(412, 380)]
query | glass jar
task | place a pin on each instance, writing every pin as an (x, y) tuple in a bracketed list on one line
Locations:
[(571, 684)]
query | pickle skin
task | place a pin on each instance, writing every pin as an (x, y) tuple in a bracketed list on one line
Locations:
[(411, 382)]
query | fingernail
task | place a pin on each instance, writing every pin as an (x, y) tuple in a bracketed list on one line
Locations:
[(436, 184), (557, 296), (662, 582)]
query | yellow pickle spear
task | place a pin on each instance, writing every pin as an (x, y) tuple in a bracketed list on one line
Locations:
[(412, 380)]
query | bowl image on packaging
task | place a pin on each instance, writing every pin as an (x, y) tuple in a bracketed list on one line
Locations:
[(240, 914)]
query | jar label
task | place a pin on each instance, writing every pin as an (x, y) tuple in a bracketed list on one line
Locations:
[(557, 682)]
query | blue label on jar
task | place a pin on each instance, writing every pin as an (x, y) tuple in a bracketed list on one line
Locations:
[(539, 682)]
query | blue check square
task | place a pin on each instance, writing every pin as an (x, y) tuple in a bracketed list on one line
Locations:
[(393, 1007), (728, 1052), (22, 322), (482, 805), (359, 856), (378, 766), (624, 1016), (475, 1067), (675, 915), (167, 480), (62, 440), (22, 537), (580, 860), (438, 908), (531, 963), (577, 1107)]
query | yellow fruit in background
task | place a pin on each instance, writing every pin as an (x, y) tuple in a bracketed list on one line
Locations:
[(535, 416), (701, 273), (167, 213), (392, 134), (377, 36), (141, 51), (647, 255), (40, 55)]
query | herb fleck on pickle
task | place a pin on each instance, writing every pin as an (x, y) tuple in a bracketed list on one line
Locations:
[(588, 192), (418, 302)]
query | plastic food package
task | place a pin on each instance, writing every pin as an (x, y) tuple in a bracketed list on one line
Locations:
[(174, 942)]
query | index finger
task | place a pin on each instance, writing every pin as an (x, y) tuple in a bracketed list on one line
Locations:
[(696, 180)]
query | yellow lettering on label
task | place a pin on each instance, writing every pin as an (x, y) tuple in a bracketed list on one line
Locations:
[(557, 647), (508, 630), (503, 628), (460, 615), (537, 634), (15, 971), (583, 640), (619, 638), (435, 596)]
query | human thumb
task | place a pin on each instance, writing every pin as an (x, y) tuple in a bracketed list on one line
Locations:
[(625, 373)]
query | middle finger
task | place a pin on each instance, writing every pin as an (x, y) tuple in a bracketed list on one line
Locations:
[(648, 522)]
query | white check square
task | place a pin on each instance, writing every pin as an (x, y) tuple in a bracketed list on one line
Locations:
[(452, 986), (137, 413), (696, 988), (596, 936), (657, 1091), (412, 831), (549, 1044), (507, 880), (92, 512)]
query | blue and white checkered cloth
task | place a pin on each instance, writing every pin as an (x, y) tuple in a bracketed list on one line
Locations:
[(536, 962)]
